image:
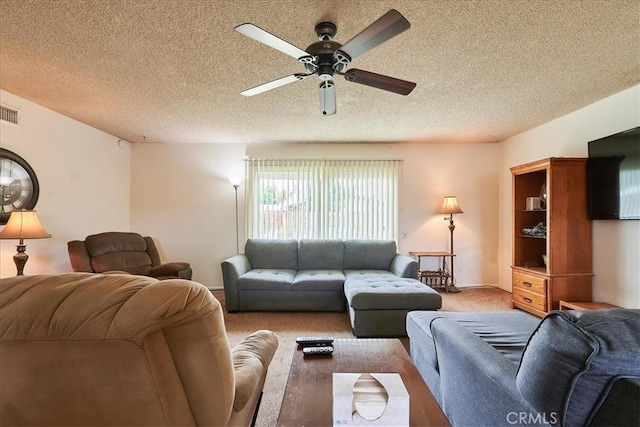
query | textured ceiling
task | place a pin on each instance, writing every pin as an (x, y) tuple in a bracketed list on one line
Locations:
[(172, 70)]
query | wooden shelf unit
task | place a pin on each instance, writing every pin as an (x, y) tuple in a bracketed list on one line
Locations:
[(536, 287)]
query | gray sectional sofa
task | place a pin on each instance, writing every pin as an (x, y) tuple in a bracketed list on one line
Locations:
[(307, 275), (573, 368)]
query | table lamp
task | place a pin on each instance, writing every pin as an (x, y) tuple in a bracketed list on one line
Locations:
[(23, 224)]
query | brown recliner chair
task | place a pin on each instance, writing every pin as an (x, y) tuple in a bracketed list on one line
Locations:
[(123, 252), (122, 350)]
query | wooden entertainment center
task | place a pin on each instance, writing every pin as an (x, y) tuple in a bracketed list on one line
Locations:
[(564, 235)]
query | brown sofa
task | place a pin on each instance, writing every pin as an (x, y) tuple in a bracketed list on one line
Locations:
[(118, 349), (123, 252)]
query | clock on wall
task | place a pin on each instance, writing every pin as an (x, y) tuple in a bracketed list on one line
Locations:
[(18, 184)]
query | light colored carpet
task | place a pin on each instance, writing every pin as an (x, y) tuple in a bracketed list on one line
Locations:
[(477, 298), (288, 326)]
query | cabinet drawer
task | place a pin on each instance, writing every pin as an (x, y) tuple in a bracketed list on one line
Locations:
[(538, 301), (529, 283)]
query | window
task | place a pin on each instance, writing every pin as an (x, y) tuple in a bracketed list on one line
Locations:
[(322, 199)]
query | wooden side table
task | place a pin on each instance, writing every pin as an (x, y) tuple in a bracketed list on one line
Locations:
[(584, 305), (437, 279)]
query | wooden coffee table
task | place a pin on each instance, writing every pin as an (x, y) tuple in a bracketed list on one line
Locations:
[(308, 398)]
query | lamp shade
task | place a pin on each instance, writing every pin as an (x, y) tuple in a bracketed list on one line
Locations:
[(450, 206), (24, 224), (236, 180)]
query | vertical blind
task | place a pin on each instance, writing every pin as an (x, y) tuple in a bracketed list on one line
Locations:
[(322, 199)]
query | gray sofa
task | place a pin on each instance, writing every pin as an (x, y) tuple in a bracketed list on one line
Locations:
[(573, 368), (307, 275)]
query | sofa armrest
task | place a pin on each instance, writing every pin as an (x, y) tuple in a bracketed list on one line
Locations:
[(404, 266), (79, 256), (232, 269), (180, 270), (251, 359), (477, 383)]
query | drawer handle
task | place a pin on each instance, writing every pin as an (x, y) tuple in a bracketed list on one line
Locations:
[(527, 284), (528, 300)]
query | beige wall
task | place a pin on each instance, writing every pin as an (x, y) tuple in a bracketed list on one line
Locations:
[(616, 244), (184, 199), (84, 182), (180, 194)]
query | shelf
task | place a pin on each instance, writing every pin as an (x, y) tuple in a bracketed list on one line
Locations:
[(537, 269), (532, 236), (534, 210)]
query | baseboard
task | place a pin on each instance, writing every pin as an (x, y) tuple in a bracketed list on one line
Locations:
[(486, 285)]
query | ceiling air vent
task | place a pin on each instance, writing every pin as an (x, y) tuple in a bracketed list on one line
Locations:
[(8, 115)]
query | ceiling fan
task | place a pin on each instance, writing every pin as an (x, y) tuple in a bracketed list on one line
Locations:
[(326, 58)]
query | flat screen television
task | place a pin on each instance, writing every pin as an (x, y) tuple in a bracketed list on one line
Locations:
[(613, 178)]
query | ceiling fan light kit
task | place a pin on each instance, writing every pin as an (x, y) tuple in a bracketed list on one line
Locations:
[(327, 98), (326, 58)]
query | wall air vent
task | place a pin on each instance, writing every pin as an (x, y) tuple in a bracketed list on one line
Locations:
[(9, 115)]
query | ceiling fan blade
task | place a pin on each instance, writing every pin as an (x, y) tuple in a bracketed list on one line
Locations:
[(379, 81), (274, 84), (384, 28), (265, 37), (327, 98)]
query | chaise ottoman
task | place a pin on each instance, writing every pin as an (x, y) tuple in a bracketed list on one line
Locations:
[(378, 306)]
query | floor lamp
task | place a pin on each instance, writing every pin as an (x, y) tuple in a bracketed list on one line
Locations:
[(22, 225), (450, 206), (236, 183)]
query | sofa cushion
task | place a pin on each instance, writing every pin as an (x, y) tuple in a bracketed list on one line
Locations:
[(266, 279), (127, 253), (318, 254), (318, 280), (272, 254), (104, 243), (137, 263), (370, 274), (620, 408), (573, 357), (368, 254)]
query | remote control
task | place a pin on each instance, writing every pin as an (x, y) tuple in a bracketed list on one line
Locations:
[(317, 350), (321, 341)]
